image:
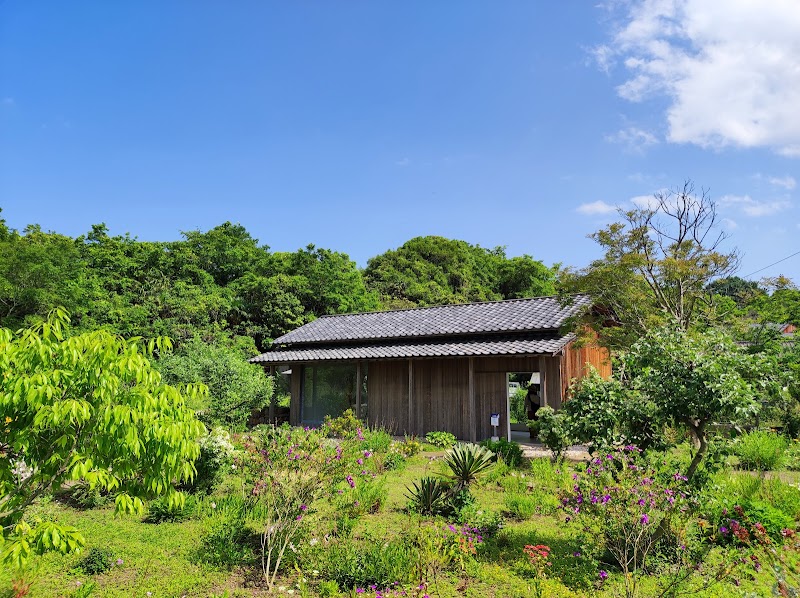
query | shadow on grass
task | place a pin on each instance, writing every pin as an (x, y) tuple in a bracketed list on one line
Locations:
[(568, 564)]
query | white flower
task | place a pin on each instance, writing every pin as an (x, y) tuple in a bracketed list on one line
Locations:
[(313, 541), (213, 505)]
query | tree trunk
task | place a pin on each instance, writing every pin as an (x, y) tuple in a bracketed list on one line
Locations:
[(698, 430)]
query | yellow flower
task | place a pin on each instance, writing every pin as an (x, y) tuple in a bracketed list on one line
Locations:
[(8, 420)]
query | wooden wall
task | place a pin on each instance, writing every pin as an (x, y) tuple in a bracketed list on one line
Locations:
[(387, 395), (295, 382), (575, 363), (440, 390)]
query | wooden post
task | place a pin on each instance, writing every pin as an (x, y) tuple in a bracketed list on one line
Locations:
[(358, 390), (410, 396), (271, 413), (543, 381), (472, 418)]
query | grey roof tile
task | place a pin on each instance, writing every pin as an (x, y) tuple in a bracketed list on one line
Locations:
[(512, 344), (537, 314)]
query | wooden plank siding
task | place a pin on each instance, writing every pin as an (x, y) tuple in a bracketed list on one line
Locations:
[(387, 394), (447, 394), (295, 383), (576, 360)]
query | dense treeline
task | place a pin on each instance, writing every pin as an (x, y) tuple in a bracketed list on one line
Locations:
[(222, 285)]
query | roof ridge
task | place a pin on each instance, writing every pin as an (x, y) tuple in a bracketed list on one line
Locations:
[(420, 308)]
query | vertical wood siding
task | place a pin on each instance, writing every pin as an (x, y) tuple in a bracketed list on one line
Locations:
[(576, 359), (387, 393), (295, 381)]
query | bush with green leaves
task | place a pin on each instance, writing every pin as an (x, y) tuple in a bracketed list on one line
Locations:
[(96, 561), (552, 429), (520, 505), (486, 521), (161, 511), (509, 452), (761, 451), (440, 439), (224, 542), (466, 463), (429, 496), (409, 447), (519, 413), (347, 425), (216, 457), (86, 407), (235, 387)]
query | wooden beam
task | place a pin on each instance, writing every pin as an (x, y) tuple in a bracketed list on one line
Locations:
[(271, 413), (473, 416), (358, 390), (410, 427)]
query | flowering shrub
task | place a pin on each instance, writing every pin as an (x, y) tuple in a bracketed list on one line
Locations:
[(216, 456), (627, 505), (344, 426)]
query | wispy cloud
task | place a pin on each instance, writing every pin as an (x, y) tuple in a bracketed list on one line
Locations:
[(751, 207), (634, 138), (729, 224), (787, 182), (730, 70), (403, 162), (595, 208)]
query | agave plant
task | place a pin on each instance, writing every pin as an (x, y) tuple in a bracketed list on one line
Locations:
[(428, 496), (466, 463)]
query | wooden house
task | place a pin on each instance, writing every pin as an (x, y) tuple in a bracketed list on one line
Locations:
[(432, 368)]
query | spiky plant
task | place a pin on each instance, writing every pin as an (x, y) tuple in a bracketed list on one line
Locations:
[(466, 462), (429, 496)]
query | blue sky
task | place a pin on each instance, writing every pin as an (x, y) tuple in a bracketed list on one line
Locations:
[(357, 125)]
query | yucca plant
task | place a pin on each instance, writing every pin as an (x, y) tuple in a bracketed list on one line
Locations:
[(466, 462), (429, 496)]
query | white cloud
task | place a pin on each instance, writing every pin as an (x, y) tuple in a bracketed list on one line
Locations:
[(595, 208), (786, 182), (403, 162), (730, 68), (750, 207), (729, 224), (646, 202), (634, 138)]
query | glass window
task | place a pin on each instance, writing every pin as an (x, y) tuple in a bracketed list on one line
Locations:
[(327, 390)]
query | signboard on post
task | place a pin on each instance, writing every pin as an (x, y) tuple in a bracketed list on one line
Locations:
[(495, 422)]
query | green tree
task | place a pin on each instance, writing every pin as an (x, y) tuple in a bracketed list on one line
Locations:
[(235, 387), (693, 379), (657, 264), (38, 272), (435, 270), (86, 407)]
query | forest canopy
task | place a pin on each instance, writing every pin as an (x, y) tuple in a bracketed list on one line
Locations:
[(223, 285)]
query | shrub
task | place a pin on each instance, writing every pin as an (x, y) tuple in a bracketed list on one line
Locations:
[(441, 439), (428, 496), (216, 456), (96, 561), (347, 425), (552, 430), (518, 412), (376, 441), (510, 452), (368, 496), (224, 542), (375, 562), (393, 460), (466, 462), (521, 506), (486, 521), (761, 451), (86, 497), (235, 387), (410, 446), (161, 511)]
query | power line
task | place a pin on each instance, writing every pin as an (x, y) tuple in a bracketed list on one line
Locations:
[(772, 264)]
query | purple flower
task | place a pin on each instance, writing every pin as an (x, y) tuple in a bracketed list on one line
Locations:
[(723, 530), (576, 554), (350, 481), (603, 575), (360, 461), (303, 508), (645, 519)]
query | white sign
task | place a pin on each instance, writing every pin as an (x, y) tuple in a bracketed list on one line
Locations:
[(495, 419)]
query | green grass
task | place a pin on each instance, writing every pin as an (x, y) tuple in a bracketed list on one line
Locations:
[(162, 558)]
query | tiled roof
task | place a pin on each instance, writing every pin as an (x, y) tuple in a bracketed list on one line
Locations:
[(513, 344), (513, 315)]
